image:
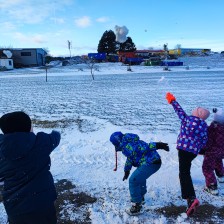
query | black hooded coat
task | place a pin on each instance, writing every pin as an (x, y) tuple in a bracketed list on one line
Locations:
[(25, 171)]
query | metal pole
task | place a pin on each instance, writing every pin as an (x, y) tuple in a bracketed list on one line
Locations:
[(46, 73)]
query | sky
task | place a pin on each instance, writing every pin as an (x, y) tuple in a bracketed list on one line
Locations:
[(50, 24)]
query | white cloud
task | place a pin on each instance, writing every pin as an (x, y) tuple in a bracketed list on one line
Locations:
[(7, 26), (83, 22), (38, 38), (29, 14), (10, 3), (34, 38), (102, 19), (32, 11)]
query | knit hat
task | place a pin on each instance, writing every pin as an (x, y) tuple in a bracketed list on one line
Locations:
[(218, 115), (15, 122), (201, 113), (115, 139)]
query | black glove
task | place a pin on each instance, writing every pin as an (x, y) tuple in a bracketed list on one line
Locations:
[(162, 145), (126, 174)]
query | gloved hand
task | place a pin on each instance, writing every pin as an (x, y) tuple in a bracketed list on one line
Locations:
[(162, 145), (126, 174), (170, 97)]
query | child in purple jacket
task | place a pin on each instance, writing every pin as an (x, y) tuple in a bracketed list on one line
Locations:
[(191, 139), (214, 153)]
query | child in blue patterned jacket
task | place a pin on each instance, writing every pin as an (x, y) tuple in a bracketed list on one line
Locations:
[(191, 139), (141, 155)]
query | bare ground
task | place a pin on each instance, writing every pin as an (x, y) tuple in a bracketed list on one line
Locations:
[(72, 207), (206, 214), (80, 201)]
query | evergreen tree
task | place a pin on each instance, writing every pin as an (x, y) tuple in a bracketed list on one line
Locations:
[(107, 43), (127, 46)]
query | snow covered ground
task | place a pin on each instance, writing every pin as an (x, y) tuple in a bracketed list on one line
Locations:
[(87, 112)]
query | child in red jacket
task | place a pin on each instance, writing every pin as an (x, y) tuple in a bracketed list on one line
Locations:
[(214, 153)]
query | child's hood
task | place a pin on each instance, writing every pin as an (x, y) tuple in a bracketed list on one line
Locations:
[(16, 145), (129, 137), (219, 115)]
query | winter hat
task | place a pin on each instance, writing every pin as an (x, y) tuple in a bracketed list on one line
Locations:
[(201, 113), (15, 122), (218, 115), (115, 139)]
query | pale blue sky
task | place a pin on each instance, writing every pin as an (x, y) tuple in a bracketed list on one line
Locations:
[(151, 23)]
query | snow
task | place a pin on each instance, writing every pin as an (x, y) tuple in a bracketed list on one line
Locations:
[(87, 112)]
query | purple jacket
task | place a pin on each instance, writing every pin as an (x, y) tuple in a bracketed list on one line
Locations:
[(215, 144), (193, 131)]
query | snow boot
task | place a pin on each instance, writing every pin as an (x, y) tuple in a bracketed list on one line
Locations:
[(192, 205), (136, 209), (212, 189)]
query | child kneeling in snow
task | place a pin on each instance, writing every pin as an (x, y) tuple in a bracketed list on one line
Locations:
[(214, 153), (29, 192), (141, 155), (191, 139)]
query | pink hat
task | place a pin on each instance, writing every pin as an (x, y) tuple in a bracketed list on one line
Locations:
[(201, 113)]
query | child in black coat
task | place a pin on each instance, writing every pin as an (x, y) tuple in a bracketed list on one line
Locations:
[(29, 192)]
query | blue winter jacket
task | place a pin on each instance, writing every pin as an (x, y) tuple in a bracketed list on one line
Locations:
[(137, 151), (25, 170)]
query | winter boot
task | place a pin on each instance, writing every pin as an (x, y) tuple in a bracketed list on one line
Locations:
[(135, 209), (221, 179), (212, 189), (192, 205)]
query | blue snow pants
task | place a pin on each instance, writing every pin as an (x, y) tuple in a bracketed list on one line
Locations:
[(137, 181)]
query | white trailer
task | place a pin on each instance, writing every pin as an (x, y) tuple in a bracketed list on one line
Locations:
[(6, 63)]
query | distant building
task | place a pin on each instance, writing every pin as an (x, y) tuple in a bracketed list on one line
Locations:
[(148, 53), (6, 63), (189, 51), (27, 57)]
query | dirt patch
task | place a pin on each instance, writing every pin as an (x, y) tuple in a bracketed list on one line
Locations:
[(83, 125), (72, 206), (205, 213), (63, 123)]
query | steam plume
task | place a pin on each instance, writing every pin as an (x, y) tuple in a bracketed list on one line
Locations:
[(121, 33)]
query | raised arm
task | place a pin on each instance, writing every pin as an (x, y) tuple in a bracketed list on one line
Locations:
[(55, 137), (176, 106), (51, 141)]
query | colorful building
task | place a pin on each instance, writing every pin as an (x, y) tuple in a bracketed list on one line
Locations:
[(189, 51)]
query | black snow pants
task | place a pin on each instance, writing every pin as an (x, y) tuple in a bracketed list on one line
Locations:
[(187, 188)]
